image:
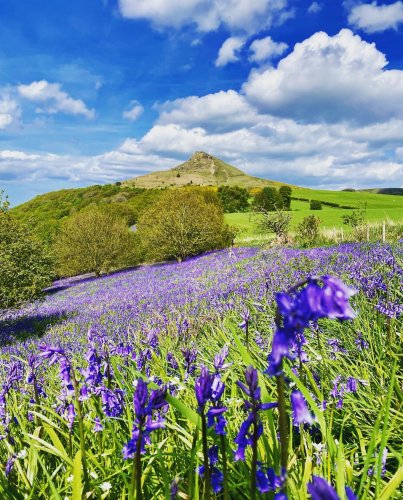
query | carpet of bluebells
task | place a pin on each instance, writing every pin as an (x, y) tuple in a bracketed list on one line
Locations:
[(242, 373)]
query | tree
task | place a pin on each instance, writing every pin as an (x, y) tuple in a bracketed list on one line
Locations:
[(182, 223), (25, 266), (268, 200), (356, 217), (233, 198), (277, 222), (285, 193), (94, 240), (308, 229)]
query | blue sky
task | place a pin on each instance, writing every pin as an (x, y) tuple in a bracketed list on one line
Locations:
[(307, 92)]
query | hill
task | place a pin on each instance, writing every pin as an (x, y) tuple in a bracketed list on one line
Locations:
[(202, 169)]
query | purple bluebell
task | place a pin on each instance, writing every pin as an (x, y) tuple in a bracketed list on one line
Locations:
[(98, 427), (300, 412), (146, 403), (320, 489), (252, 428)]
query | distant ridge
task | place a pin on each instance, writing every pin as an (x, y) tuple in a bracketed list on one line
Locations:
[(202, 169)]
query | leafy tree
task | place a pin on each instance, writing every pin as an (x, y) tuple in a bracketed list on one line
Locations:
[(94, 240), (285, 193), (268, 200), (182, 223), (233, 198), (308, 229), (315, 205), (25, 266)]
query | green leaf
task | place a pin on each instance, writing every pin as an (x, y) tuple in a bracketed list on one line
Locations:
[(77, 477)]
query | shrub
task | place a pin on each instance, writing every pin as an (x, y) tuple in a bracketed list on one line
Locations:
[(315, 205), (182, 223), (25, 266), (355, 218), (308, 230), (277, 222), (233, 198), (94, 240)]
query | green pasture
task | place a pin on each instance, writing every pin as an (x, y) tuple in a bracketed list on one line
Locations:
[(378, 208)]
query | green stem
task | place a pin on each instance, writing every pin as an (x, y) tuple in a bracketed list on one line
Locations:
[(254, 463), (224, 466), (81, 428), (135, 486), (283, 426), (207, 494)]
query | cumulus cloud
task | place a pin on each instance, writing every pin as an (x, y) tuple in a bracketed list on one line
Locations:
[(265, 49), (10, 112), (219, 111), (229, 51), (248, 16), (53, 99), (330, 79), (134, 112), (374, 18)]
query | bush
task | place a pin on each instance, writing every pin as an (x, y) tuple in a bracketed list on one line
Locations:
[(94, 240), (308, 230), (25, 266), (277, 222), (182, 223), (233, 198), (315, 205), (355, 218)]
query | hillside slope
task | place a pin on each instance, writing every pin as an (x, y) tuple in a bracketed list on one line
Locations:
[(202, 169)]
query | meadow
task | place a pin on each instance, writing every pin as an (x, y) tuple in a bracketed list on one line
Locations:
[(205, 379)]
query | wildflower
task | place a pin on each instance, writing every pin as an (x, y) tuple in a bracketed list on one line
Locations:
[(98, 427), (145, 404), (245, 436), (300, 411), (320, 489)]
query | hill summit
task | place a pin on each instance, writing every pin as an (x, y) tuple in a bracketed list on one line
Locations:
[(201, 169)]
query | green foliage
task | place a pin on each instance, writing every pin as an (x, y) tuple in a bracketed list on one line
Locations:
[(315, 205), (308, 230), (285, 193), (277, 222), (268, 200), (182, 223), (233, 198), (355, 218), (94, 240), (25, 267)]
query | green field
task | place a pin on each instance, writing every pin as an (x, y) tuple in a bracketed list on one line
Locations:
[(378, 208)]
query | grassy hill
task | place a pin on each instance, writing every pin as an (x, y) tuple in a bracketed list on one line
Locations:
[(45, 212), (202, 169)]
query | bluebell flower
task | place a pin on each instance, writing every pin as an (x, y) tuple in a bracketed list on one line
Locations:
[(300, 411), (320, 489)]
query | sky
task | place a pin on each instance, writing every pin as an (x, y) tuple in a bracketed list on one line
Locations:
[(99, 91)]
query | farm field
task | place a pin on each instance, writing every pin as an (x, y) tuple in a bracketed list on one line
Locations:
[(158, 381), (378, 208)]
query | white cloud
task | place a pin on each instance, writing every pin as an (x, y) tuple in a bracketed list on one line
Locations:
[(265, 49), (221, 110), (10, 112), (374, 18), (315, 7), (54, 99), (329, 79), (248, 16), (229, 51), (134, 112)]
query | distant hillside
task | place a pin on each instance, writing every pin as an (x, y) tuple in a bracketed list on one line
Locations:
[(202, 169), (391, 191)]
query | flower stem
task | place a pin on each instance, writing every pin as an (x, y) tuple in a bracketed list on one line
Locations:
[(283, 427), (254, 461), (224, 466), (135, 487), (205, 458)]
